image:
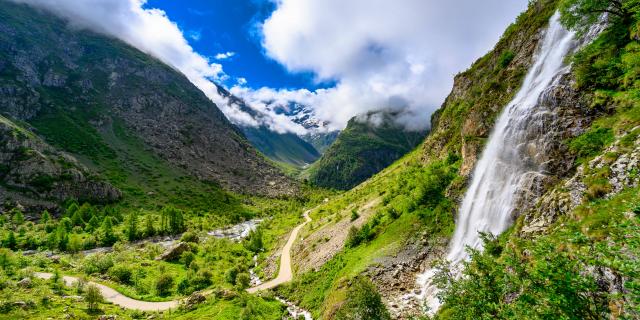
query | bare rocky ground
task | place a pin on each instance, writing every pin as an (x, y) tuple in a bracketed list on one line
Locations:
[(318, 247)]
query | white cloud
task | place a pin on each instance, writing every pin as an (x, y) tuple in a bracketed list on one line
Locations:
[(225, 55), (151, 31), (400, 54), (194, 35)]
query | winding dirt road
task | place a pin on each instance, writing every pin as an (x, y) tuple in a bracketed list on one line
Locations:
[(284, 275), (116, 297)]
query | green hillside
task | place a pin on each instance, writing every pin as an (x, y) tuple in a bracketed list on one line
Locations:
[(367, 145)]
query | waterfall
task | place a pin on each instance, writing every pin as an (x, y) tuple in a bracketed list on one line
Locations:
[(512, 160), (509, 159)]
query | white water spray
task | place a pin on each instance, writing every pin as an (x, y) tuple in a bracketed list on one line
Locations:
[(510, 160)]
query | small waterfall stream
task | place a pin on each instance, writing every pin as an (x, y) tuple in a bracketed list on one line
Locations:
[(512, 160)]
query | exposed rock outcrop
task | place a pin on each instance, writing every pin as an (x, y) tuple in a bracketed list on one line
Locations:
[(35, 175)]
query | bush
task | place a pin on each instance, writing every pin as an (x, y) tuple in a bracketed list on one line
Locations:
[(354, 215), (591, 143), (97, 263), (121, 273), (93, 297), (363, 302), (231, 275), (189, 237), (506, 58), (243, 280), (187, 257), (164, 283)]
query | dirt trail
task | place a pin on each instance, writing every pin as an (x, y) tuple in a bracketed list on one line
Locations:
[(116, 297), (284, 275)]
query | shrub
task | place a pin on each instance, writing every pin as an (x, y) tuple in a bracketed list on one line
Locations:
[(243, 280), (354, 215), (97, 263), (231, 275), (121, 273), (186, 258), (591, 143), (363, 302), (506, 58), (189, 237), (164, 283), (93, 297)]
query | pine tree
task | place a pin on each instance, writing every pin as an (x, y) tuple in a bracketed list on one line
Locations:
[(108, 236), (62, 238), (132, 226), (76, 219), (18, 217), (10, 242), (45, 217), (150, 230), (93, 224)]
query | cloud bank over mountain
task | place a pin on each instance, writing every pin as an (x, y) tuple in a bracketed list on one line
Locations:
[(380, 54)]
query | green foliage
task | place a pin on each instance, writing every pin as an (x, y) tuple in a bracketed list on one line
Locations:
[(121, 273), (254, 241), (582, 14), (354, 215), (506, 58), (243, 280), (555, 275), (591, 143), (93, 297), (361, 150), (108, 235), (164, 284), (363, 302), (132, 226)]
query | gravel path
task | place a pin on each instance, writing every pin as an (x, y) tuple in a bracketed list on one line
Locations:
[(285, 274), (113, 296)]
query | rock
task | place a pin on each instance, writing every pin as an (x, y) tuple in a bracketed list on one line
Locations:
[(174, 253), (21, 304), (193, 300), (24, 283)]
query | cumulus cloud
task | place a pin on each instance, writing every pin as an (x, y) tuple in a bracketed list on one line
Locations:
[(382, 54), (225, 55)]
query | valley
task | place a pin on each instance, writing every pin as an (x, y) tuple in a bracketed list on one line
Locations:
[(129, 191)]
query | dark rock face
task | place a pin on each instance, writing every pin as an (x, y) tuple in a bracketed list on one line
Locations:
[(33, 174), (95, 81)]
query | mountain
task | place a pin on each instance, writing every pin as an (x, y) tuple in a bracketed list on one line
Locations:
[(123, 114), (282, 147), (564, 242), (31, 171), (368, 144), (321, 140)]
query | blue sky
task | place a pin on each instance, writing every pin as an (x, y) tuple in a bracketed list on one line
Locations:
[(220, 26), (283, 47)]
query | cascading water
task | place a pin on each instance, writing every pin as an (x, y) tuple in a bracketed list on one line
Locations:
[(511, 160)]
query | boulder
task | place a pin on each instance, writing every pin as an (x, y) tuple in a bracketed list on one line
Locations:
[(24, 283), (174, 252)]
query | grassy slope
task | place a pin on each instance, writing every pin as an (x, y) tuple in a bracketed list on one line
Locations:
[(360, 151), (430, 170)]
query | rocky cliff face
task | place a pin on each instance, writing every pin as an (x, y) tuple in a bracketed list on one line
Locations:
[(74, 86), (35, 175)]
